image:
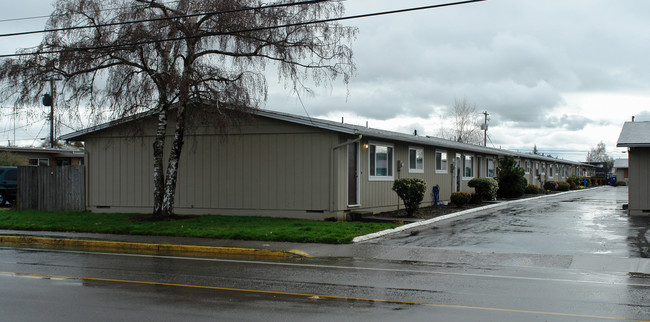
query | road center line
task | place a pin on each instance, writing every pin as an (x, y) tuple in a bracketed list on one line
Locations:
[(357, 268), (313, 296)]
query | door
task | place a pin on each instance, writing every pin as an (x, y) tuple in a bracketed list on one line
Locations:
[(458, 174), (353, 174)]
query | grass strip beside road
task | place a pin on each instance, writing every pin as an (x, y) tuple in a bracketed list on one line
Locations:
[(208, 226)]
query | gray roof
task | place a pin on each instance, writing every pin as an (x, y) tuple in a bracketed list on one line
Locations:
[(61, 151), (620, 163), (634, 134), (348, 129)]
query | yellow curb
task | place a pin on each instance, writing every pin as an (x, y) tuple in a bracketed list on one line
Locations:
[(146, 248)]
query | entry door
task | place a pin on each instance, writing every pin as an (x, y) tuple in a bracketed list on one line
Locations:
[(458, 174), (353, 174)]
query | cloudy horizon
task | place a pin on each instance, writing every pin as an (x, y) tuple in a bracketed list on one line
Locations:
[(559, 75)]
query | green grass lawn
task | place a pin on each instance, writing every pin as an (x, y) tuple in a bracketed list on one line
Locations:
[(209, 226)]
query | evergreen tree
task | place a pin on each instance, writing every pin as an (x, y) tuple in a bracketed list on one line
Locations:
[(511, 179)]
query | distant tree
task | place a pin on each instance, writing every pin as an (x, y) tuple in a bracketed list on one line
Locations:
[(12, 159), (465, 123), (178, 59), (511, 179), (535, 149), (599, 154)]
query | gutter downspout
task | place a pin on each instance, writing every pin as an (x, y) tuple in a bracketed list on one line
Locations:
[(332, 205)]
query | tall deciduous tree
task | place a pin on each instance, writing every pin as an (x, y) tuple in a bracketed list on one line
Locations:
[(181, 57), (464, 125), (599, 154)]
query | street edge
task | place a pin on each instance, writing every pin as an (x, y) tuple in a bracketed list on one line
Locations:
[(386, 232), (145, 248)]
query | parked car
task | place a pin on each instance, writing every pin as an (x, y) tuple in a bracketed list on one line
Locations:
[(8, 184)]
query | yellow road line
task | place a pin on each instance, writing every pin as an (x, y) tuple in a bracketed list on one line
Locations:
[(314, 296)]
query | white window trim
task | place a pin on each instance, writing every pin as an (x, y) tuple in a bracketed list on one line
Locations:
[(409, 159), (446, 170), (392, 165), (462, 162)]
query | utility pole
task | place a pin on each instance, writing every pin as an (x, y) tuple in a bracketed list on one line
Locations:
[(48, 100), (485, 128), (52, 114)]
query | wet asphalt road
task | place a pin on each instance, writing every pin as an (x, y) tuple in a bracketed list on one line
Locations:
[(589, 222), (545, 260)]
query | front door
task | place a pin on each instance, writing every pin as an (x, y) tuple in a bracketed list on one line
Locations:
[(353, 174), (458, 174)]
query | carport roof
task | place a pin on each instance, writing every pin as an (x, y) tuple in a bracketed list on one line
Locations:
[(634, 134)]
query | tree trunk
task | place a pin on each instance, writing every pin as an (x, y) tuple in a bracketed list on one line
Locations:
[(158, 157), (172, 167)]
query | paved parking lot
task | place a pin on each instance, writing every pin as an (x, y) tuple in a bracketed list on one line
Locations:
[(588, 222)]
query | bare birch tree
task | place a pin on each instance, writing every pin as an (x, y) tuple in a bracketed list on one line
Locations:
[(180, 57), (463, 123), (599, 154)]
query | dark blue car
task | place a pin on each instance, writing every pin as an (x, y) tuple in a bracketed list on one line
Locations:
[(8, 184)]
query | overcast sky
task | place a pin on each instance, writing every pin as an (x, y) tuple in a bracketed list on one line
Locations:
[(562, 75)]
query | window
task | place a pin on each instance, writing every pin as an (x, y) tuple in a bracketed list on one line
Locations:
[(381, 162), (491, 168), (39, 162), (550, 170), (441, 162), (63, 161), (527, 164), (416, 160), (468, 166)]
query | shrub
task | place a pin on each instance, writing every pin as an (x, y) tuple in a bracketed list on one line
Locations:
[(532, 189), (511, 179), (460, 198), (575, 181), (620, 184), (475, 199), (11, 159), (563, 186), (486, 188), (411, 191), (550, 186)]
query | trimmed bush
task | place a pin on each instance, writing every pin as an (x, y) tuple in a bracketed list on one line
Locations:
[(411, 191), (550, 186), (486, 188), (532, 189), (511, 179), (475, 199), (620, 184), (460, 198), (578, 181), (563, 186)]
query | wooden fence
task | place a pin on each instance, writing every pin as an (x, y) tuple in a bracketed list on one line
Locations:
[(58, 188)]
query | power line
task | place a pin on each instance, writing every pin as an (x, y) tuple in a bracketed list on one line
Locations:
[(24, 33), (211, 34), (48, 16)]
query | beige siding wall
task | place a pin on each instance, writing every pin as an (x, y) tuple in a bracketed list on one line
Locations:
[(377, 196), (263, 167), (119, 172), (270, 168), (639, 181)]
